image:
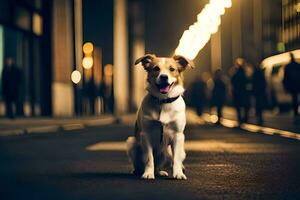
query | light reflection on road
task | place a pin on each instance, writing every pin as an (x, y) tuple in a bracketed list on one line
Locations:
[(201, 146)]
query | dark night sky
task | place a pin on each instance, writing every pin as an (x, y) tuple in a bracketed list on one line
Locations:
[(98, 26), (165, 22)]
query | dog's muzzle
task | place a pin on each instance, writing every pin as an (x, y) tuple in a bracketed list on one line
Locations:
[(164, 85)]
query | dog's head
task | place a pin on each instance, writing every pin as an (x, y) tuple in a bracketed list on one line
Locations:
[(164, 73)]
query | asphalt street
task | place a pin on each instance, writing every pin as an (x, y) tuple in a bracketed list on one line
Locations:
[(91, 163)]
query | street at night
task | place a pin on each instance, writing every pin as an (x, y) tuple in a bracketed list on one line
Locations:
[(146, 100), (91, 163)]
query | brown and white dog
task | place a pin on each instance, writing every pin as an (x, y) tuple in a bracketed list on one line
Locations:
[(161, 119)]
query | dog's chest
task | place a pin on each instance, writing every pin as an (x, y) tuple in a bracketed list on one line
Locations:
[(164, 112), (167, 113)]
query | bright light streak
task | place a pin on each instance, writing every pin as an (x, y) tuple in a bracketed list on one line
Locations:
[(75, 76), (198, 34), (280, 59)]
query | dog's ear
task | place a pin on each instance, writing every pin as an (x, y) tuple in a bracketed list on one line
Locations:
[(145, 60), (184, 62)]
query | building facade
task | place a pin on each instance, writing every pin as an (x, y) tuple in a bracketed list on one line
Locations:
[(43, 38), (250, 29), (24, 35), (290, 27)]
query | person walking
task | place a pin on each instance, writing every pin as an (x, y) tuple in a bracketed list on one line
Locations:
[(291, 83), (240, 87), (11, 80), (198, 97), (218, 93), (259, 92)]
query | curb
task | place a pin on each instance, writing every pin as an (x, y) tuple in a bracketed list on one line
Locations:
[(252, 128), (59, 127)]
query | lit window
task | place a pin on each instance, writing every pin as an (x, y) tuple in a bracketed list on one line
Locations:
[(37, 25), (22, 18)]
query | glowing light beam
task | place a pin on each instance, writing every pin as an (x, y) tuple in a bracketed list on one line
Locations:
[(198, 34)]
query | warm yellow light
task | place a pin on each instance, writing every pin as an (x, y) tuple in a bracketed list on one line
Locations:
[(280, 59), (214, 118), (108, 70), (37, 24), (87, 62), (297, 7), (75, 76), (88, 48), (198, 34)]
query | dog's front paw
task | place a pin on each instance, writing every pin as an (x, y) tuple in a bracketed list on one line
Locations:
[(179, 175), (148, 175)]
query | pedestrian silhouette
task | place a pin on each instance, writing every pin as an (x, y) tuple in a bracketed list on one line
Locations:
[(103, 92), (241, 90), (11, 80), (291, 83), (198, 95), (259, 92), (218, 93), (90, 93)]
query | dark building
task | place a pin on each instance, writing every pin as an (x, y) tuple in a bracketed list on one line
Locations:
[(290, 30), (25, 36), (41, 36)]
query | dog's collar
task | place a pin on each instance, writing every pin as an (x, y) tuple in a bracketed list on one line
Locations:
[(167, 100)]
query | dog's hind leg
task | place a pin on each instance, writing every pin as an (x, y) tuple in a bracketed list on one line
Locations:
[(135, 155)]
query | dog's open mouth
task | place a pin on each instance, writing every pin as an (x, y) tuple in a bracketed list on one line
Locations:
[(164, 88)]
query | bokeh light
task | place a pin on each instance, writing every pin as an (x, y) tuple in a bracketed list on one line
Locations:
[(88, 48), (75, 76), (108, 70), (87, 62)]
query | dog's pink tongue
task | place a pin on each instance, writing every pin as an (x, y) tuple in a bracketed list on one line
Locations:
[(165, 89)]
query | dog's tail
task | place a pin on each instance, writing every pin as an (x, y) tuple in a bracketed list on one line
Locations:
[(135, 155)]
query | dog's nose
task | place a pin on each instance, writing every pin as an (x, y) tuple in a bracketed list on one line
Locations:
[(163, 77)]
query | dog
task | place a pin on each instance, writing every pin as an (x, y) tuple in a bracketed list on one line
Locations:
[(159, 139)]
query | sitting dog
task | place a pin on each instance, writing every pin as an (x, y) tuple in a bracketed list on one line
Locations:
[(161, 120)]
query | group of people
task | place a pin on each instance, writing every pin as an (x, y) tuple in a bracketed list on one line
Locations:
[(247, 86), (245, 82), (207, 91)]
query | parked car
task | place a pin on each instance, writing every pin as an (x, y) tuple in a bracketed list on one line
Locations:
[(274, 72)]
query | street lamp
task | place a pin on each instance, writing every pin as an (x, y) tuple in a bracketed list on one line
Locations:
[(88, 48), (75, 77), (87, 62)]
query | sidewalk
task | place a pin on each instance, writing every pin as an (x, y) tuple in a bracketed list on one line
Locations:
[(283, 121), (20, 126), (280, 125)]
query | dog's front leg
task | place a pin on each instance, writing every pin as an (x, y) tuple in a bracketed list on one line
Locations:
[(149, 159), (178, 156)]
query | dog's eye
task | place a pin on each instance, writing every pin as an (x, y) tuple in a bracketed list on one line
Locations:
[(156, 69), (172, 69)]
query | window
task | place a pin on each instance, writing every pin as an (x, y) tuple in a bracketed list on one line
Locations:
[(37, 24), (22, 18)]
